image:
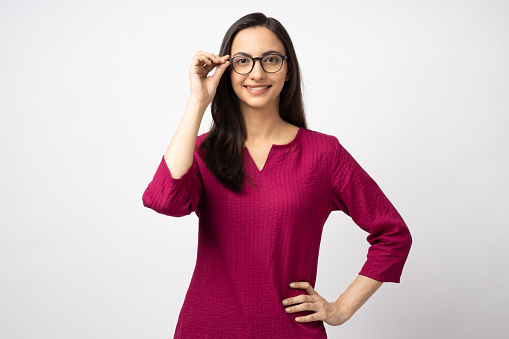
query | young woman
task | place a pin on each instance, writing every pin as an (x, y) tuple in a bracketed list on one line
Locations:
[(262, 185)]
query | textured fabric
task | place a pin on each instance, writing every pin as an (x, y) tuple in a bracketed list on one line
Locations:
[(251, 245)]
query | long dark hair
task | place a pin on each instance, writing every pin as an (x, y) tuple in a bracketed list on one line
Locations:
[(222, 149)]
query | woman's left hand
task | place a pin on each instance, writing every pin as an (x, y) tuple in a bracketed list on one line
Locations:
[(330, 312)]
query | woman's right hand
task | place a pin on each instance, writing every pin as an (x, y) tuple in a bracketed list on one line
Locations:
[(203, 87)]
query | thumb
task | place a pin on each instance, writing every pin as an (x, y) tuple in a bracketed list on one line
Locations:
[(218, 73)]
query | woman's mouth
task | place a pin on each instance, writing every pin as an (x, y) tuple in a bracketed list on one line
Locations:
[(257, 89)]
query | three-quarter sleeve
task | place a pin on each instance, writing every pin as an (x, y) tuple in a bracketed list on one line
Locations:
[(171, 196), (356, 194)]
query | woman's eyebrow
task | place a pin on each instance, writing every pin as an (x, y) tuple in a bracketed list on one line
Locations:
[(265, 53)]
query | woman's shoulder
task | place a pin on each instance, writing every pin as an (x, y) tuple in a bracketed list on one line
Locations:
[(318, 134), (320, 140), (200, 137)]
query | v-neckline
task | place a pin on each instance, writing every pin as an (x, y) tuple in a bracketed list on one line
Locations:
[(270, 151)]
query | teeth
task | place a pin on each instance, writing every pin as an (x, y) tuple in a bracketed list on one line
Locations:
[(257, 88)]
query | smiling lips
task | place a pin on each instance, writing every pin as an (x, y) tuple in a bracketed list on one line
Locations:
[(258, 89)]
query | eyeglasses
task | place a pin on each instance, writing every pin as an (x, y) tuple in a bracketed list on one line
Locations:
[(271, 63)]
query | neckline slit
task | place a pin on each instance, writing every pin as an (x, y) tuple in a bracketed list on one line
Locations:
[(270, 150)]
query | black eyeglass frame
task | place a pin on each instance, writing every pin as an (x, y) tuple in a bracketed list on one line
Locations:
[(283, 58)]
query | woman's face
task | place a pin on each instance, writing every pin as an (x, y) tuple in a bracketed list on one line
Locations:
[(255, 42)]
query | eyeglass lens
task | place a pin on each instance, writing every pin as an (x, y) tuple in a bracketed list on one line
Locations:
[(270, 63)]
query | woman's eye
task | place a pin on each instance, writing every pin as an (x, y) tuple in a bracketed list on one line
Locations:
[(241, 60), (273, 60)]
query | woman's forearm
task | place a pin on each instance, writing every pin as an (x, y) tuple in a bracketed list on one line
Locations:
[(359, 291), (179, 155)]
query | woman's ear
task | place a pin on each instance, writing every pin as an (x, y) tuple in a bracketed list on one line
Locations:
[(287, 76)]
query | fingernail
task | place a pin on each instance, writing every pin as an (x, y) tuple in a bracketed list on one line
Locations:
[(287, 309), (285, 302), (292, 285)]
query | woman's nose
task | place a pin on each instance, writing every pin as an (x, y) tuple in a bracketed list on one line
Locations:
[(257, 72)]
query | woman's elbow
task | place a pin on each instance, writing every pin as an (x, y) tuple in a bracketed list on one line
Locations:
[(406, 240)]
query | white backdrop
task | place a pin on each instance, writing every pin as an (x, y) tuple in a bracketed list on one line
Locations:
[(91, 93)]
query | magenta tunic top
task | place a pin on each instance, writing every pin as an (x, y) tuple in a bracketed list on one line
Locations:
[(252, 244)]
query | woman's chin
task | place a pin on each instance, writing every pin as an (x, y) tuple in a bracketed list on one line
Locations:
[(257, 103), (252, 105)]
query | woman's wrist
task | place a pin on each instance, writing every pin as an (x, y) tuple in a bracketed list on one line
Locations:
[(361, 289), (344, 309)]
